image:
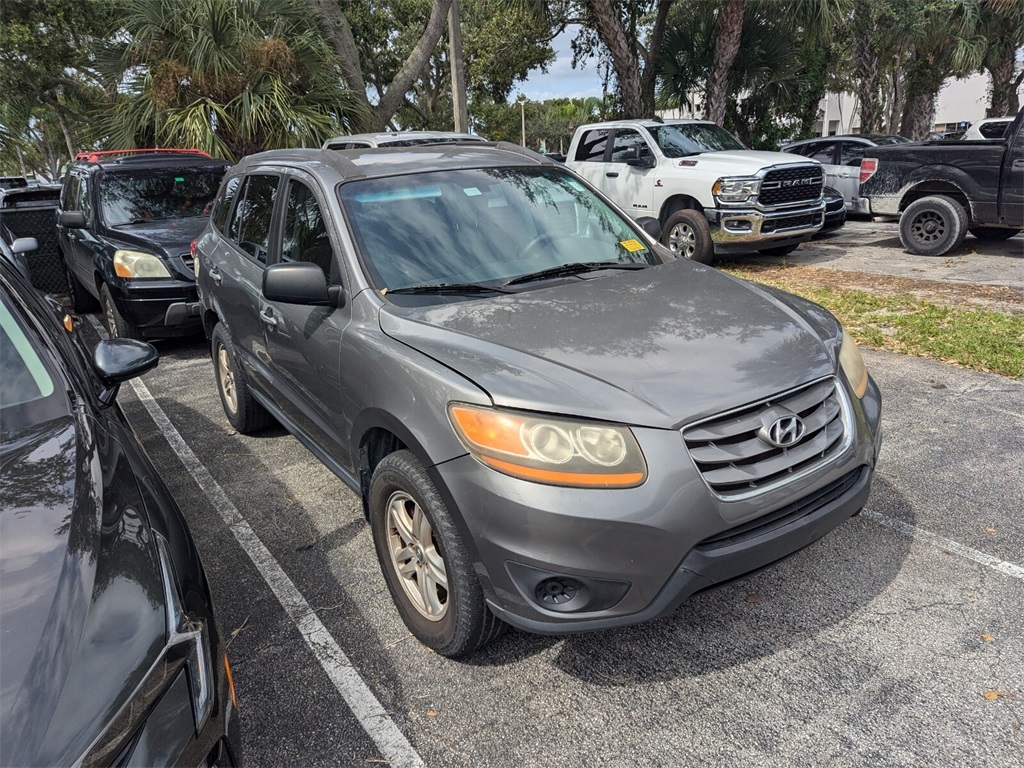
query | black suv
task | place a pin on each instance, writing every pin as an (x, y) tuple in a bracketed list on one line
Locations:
[(126, 222)]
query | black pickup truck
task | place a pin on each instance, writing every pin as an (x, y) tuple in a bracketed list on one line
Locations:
[(941, 190)]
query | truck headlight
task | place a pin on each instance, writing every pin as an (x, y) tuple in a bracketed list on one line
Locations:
[(736, 189), (853, 365), (550, 450), (132, 264)]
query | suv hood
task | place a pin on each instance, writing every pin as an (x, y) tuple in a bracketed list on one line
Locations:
[(741, 162), (657, 347), (82, 609), (174, 236)]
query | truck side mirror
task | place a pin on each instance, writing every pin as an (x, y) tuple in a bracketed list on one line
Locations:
[(636, 159)]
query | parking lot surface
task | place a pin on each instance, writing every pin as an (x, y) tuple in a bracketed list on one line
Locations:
[(896, 640)]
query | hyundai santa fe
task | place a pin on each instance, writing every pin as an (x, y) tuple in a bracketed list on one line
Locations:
[(552, 422)]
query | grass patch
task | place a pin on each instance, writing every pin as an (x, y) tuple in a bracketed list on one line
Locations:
[(978, 339)]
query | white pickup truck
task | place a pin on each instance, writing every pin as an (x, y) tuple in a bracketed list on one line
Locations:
[(708, 193)]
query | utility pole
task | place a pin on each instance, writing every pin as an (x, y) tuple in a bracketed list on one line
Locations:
[(459, 108), (522, 114)]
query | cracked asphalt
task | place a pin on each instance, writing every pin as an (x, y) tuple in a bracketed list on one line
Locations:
[(881, 644)]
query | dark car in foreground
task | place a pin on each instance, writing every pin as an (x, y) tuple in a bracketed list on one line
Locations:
[(110, 652), (126, 223), (551, 420)]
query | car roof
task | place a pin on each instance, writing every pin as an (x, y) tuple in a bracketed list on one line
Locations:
[(377, 162), (147, 159), (648, 122), (392, 137), (871, 137)]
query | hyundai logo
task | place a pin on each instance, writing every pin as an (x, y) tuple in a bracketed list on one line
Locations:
[(781, 428)]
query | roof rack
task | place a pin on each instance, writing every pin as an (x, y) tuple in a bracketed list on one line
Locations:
[(95, 157)]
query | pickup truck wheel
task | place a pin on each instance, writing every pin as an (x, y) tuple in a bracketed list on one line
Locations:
[(933, 226), (994, 233), (688, 235), (244, 413), (118, 325)]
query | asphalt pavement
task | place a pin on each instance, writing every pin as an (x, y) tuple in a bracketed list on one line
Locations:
[(896, 640)]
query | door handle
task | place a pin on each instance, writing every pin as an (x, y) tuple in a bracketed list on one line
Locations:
[(267, 316), (844, 175), (1018, 165), (215, 275), (612, 174)]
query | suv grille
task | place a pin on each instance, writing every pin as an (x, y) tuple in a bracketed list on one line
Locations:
[(781, 186), (802, 221), (735, 462)]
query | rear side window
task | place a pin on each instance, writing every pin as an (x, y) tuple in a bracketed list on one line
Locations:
[(224, 201), (250, 225), (993, 130), (851, 153), (592, 145)]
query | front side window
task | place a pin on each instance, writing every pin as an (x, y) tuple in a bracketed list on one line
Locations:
[(483, 225), (222, 207), (851, 153), (136, 197), (686, 139), (29, 390), (592, 145), (824, 152), (305, 231), (627, 143), (250, 226)]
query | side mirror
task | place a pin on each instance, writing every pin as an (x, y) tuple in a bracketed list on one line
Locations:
[(118, 360), (651, 226), (24, 245), (299, 282), (639, 160), (72, 219)]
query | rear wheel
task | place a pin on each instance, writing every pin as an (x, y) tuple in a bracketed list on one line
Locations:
[(117, 324), (425, 564), (81, 300), (933, 226), (688, 235), (244, 413), (993, 233)]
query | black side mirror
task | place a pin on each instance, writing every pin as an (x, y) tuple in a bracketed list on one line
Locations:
[(299, 282), (72, 220), (118, 360), (650, 225)]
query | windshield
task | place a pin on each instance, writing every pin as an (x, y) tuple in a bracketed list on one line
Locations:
[(29, 393), (482, 225), (130, 197), (692, 139)]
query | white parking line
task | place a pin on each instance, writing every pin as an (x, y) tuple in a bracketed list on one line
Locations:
[(391, 742), (947, 545)]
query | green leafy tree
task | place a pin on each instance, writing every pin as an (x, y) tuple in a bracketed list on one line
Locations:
[(231, 77)]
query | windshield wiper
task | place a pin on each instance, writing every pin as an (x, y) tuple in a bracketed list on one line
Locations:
[(448, 288), (575, 268)]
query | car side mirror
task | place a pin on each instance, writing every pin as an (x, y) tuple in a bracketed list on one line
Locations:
[(72, 220), (650, 225), (118, 360), (24, 245), (636, 159), (300, 282)]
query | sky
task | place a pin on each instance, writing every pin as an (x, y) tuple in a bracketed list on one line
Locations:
[(561, 80)]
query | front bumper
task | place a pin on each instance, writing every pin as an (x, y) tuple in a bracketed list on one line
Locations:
[(638, 553), (741, 226), (146, 303)]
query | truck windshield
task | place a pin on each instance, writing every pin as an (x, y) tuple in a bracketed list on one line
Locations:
[(692, 139)]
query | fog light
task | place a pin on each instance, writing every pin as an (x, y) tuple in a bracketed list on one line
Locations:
[(558, 591), (566, 594)]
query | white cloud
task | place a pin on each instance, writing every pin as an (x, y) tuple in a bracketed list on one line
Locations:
[(561, 80)]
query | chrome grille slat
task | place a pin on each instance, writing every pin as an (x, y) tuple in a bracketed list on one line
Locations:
[(736, 462)]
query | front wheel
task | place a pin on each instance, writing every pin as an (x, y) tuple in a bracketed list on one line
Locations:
[(425, 564), (993, 233), (687, 234), (933, 226), (118, 325)]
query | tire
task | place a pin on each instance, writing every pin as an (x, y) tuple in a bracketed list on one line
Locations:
[(781, 250), (117, 325), (439, 598), (933, 226), (244, 413), (993, 233), (688, 235), (81, 300)]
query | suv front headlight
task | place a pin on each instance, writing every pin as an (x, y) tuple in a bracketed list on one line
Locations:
[(132, 264), (736, 189), (853, 365), (550, 450)]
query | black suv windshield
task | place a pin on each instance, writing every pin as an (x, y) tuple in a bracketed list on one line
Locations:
[(129, 197), (483, 225), (692, 139)]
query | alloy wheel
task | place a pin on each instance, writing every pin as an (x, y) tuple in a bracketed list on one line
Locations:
[(683, 240), (415, 556), (226, 376), (928, 227)]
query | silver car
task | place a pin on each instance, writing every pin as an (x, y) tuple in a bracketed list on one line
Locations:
[(551, 421), (400, 139)]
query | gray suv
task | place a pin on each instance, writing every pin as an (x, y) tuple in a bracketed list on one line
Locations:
[(552, 422)]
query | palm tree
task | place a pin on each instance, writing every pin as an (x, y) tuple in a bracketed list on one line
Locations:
[(231, 77)]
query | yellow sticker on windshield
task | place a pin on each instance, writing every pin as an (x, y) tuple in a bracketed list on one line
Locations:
[(632, 245)]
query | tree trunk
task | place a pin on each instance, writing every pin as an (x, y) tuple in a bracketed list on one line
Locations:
[(896, 102), (627, 68), (727, 45), (917, 113), (1003, 92), (459, 108), (650, 74), (868, 72)]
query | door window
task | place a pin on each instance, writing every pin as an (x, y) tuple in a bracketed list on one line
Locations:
[(592, 145), (305, 231), (626, 141), (224, 201), (69, 195), (851, 153), (84, 198), (824, 152), (250, 225)]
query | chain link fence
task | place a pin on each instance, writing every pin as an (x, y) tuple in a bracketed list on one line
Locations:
[(44, 265)]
